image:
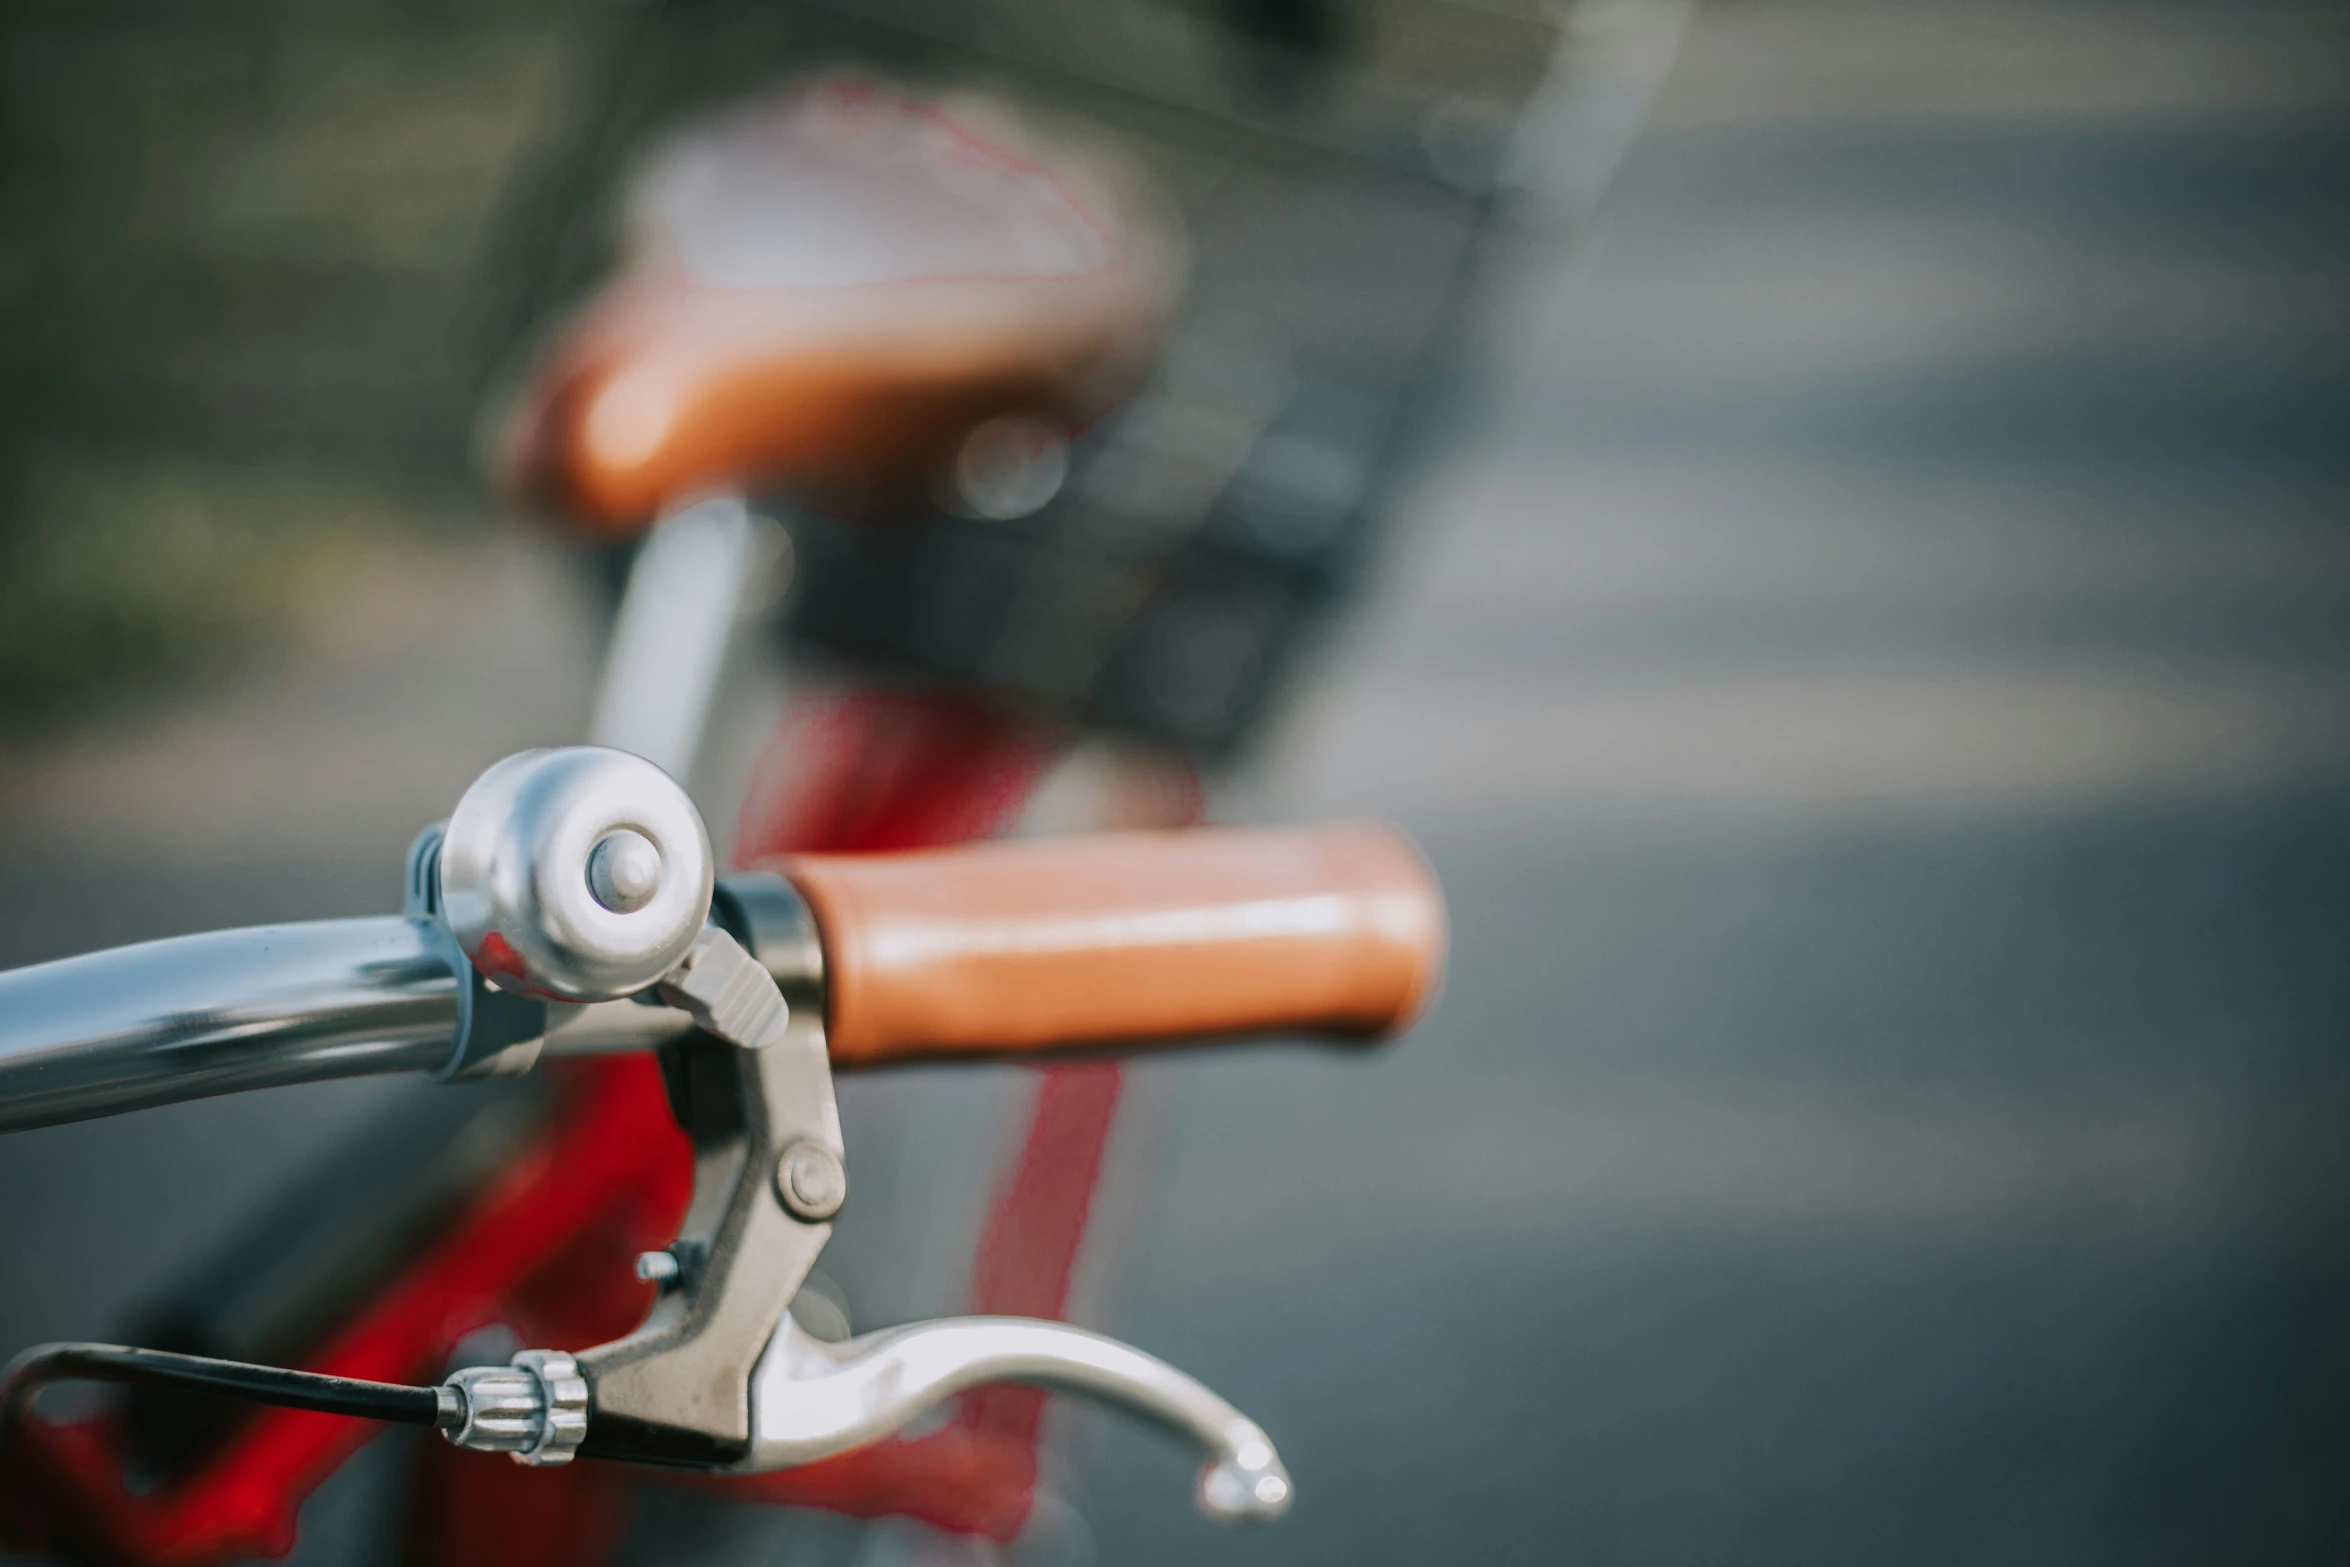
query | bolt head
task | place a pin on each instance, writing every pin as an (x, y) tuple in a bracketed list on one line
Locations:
[(624, 870), (810, 1180)]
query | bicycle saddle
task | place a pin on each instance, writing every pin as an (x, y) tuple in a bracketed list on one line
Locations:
[(827, 295)]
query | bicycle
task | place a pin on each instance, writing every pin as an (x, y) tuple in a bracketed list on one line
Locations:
[(951, 767), (527, 1253), (515, 1250)]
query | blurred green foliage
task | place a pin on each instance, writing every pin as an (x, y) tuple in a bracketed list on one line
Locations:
[(121, 574), (258, 267)]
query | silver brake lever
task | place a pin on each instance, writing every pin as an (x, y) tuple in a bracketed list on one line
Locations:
[(584, 876), (811, 1399)]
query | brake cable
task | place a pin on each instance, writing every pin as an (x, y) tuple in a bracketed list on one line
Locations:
[(394, 1402)]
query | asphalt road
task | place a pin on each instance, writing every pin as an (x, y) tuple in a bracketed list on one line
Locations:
[(1873, 684), (1876, 698)]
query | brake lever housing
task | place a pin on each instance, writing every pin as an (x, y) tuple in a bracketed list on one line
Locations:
[(719, 1377), (769, 1173)]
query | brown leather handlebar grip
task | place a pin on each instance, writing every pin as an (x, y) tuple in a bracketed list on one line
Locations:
[(1122, 939)]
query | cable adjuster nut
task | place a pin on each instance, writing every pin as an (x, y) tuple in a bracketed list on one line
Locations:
[(534, 1409)]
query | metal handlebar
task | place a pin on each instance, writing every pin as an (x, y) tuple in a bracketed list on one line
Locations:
[(581, 880), (190, 1017), (217, 1013)]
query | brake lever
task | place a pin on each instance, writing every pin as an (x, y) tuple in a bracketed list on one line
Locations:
[(811, 1399), (719, 1377)]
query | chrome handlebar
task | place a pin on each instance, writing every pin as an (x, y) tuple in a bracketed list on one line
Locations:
[(522, 868), (521, 888), (189, 1017), (218, 1013)]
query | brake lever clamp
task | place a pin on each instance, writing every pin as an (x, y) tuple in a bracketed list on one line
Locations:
[(544, 881)]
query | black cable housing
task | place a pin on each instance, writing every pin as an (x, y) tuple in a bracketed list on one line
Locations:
[(395, 1402)]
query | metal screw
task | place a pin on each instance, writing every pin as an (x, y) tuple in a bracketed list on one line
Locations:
[(810, 1180), (659, 1267), (624, 870)]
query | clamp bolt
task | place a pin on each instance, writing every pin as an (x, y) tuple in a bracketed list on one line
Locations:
[(810, 1180), (659, 1267)]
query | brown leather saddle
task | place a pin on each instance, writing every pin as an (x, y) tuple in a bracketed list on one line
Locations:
[(827, 294)]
